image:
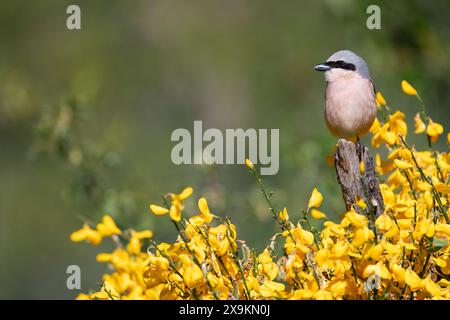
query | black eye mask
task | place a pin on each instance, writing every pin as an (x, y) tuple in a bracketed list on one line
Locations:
[(341, 65)]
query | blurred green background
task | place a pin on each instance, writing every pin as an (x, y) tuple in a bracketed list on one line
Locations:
[(86, 116)]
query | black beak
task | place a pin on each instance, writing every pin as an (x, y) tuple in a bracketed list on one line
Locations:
[(322, 67)]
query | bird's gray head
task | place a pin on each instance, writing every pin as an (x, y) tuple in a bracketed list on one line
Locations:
[(345, 60)]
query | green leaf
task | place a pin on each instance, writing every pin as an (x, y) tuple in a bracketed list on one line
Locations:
[(437, 244)]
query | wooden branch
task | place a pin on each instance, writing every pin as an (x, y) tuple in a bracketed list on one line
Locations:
[(355, 186)]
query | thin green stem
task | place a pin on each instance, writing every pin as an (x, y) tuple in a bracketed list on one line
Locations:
[(424, 268)]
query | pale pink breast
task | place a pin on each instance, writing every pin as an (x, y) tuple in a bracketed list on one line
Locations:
[(350, 106)]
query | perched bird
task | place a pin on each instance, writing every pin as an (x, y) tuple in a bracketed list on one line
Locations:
[(350, 106)]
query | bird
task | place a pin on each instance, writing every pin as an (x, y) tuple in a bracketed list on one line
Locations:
[(350, 107)]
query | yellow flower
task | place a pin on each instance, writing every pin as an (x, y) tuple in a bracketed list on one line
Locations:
[(361, 236), (322, 256), (303, 294), (303, 236), (358, 220), (362, 167), (375, 126), (448, 137), (383, 166), (175, 211), (397, 125), (333, 228), (83, 296), (418, 123), (298, 238), (271, 289), (186, 193), (315, 200), (397, 179), (204, 210), (108, 227), (361, 203), (249, 164), (380, 99), (340, 249), (154, 293), (375, 252), (159, 263), (444, 282), (423, 227), (393, 249), (192, 273), (388, 137), (135, 244), (413, 280), (338, 289), (316, 214), (158, 210), (86, 233), (218, 284), (323, 295), (284, 216), (399, 273), (389, 196), (266, 266), (408, 89), (79, 235), (378, 269), (444, 228), (384, 222), (387, 132), (145, 234), (176, 206), (434, 130), (110, 290), (440, 262), (101, 295), (401, 164), (192, 227), (104, 257), (433, 289), (217, 237), (442, 187)]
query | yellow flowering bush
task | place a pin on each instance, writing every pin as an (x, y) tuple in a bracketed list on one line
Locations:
[(403, 253)]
